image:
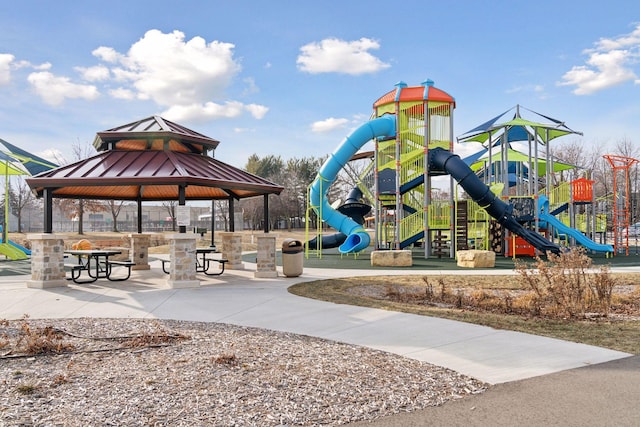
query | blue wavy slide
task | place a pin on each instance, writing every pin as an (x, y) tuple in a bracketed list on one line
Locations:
[(571, 232), (357, 237)]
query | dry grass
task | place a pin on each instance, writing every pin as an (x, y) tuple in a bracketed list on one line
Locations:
[(496, 301)]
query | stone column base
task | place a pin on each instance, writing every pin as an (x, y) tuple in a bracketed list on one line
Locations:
[(182, 284), (266, 256), (236, 266), (141, 267), (232, 250), (265, 274), (44, 284)]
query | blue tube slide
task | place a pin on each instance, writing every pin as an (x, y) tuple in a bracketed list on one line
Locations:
[(560, 228), (354, 209), (451, 164), (357, 237)]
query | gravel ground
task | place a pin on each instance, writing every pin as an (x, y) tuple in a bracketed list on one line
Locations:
[(130, 372)]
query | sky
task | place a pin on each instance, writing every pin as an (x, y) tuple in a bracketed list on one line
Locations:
[(293, 78)]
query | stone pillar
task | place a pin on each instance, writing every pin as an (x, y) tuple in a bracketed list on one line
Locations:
[(232, 250), (47, 261), (140, 251), (182, 254), (266, 256)]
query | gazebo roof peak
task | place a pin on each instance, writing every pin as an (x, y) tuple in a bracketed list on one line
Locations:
[(154, 133)]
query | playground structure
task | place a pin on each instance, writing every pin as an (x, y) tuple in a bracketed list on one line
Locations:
[(621, 199), (513, 209), (27, 164)]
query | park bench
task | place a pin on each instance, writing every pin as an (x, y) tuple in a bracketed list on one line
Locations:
[(124, 264)]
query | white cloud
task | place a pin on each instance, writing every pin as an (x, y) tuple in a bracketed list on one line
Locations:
[(122, 93), (625, 41), (53, 155), (202, 112), (609, 64), (42, 67), (172, 71), (328, 125), (5, 68), (339, 56), (94, 74), (213, 111), (55, 89), (107, 54), (188, 77), (257, 111)]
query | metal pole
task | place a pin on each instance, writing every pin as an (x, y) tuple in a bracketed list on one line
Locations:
[(232, 217), (182, 201), (213, 223), (139, 215), (266, 213)]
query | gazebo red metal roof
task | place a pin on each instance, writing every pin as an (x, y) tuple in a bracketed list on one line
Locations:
[(151, 176), (149, 160), (153, 133)]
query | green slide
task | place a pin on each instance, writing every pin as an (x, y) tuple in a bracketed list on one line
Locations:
[(11, 252)]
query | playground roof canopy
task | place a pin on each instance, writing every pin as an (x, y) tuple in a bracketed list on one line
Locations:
[(32, 163), (479, 160), (518, 128), (426, 92)]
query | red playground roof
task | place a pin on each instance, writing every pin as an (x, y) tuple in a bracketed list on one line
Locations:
[(403, 93)]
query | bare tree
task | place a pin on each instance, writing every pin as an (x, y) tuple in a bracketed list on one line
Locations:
[(76, 208), (21, 199), (170, 207), (589, 162), (114, 207)]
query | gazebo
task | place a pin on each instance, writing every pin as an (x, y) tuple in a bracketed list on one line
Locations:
[(152, 159)]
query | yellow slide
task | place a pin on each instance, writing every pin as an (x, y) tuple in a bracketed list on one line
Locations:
[(11, 252)]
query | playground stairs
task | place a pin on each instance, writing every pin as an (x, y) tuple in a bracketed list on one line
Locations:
[(559, 198), (462, 229)]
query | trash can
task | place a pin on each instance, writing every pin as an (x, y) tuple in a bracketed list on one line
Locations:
[(292, 255)]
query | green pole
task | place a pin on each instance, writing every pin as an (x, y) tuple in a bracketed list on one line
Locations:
[(6, 201)]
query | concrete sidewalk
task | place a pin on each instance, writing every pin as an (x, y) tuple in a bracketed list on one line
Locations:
[(491, 355)]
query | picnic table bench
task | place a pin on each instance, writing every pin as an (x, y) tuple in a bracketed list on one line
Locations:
[(97, 265), (203, 262)]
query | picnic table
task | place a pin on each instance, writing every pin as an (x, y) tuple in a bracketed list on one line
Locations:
[(203, 262), (96, 264)]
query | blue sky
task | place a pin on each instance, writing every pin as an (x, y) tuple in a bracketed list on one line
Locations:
[(293, 78)]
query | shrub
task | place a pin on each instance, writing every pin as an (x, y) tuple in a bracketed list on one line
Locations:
[(567, 286)]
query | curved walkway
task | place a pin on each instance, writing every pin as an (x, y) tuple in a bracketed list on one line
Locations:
[(491, 355), (537, 381)]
